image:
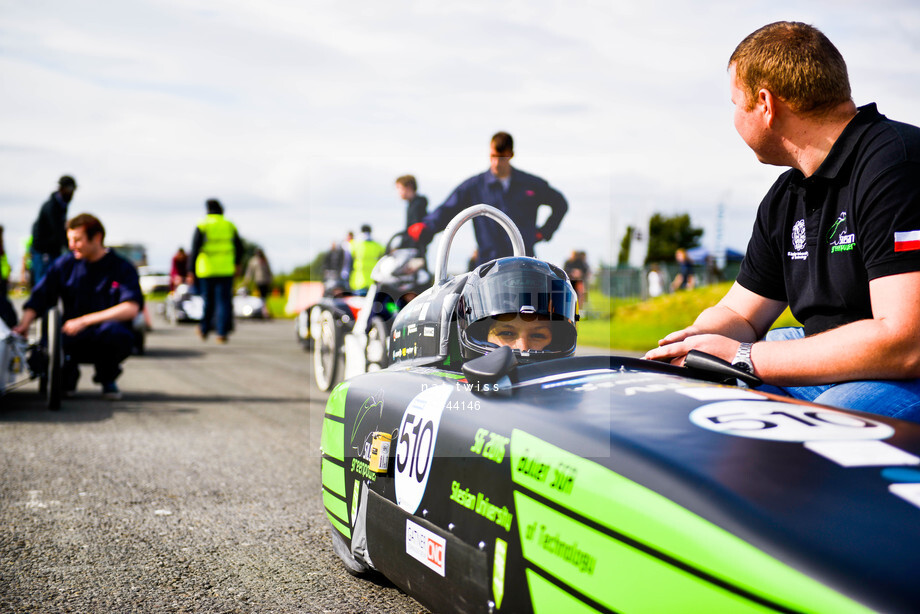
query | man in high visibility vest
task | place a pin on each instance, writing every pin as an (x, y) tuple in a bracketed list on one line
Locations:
[(365, 252), (217, 254)]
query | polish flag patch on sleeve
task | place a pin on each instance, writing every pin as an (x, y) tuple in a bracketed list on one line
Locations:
[(907, 241)]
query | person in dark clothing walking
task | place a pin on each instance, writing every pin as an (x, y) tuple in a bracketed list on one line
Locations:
[(49, 235)]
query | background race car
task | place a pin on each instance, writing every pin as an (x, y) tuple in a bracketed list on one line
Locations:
[(184, 305)]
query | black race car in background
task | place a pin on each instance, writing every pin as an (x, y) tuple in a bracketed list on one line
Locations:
[(346, 331), (606, 484), (184, 304)]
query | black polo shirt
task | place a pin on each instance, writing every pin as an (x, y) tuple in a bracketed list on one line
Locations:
[(818, 241)]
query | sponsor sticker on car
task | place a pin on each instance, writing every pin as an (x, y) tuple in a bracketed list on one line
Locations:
[(426, 547)]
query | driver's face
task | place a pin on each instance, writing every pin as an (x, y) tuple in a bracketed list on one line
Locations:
[(531, 334)]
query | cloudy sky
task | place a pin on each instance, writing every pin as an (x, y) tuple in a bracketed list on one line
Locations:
[(299, 115)]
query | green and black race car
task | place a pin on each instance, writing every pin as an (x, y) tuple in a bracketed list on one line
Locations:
[(605, 484)]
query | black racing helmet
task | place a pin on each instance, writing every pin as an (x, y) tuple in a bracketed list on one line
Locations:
[(530, 288)]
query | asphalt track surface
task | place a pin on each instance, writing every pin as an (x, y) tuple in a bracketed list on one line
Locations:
[(199, 491)]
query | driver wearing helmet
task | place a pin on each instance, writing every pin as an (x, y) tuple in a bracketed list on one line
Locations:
[(524, 303), (520, 332)]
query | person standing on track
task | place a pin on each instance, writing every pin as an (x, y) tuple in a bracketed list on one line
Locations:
[(416, 204), (49, 235), (517, 194), (217, 256), (365, 252)]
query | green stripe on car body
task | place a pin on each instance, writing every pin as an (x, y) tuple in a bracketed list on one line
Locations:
[(499, 561), (354, 502), (335, 505), (615, 574), (332, 442), (341, 528), (335, 406), (547, 598), (333, 477), (613, 501)]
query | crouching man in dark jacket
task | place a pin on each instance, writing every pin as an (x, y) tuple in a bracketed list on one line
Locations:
[(100, 294)]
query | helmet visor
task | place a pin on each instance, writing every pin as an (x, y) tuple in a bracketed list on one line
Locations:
[(526, 293)]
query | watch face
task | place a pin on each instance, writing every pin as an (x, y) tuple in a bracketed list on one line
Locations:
[(744, 366)]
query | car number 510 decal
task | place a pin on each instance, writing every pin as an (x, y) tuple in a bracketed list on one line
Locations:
[(415, 443), (786, 422)]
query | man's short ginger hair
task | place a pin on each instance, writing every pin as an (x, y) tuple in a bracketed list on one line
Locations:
[(408, 181), (794, 61), (90, 224)]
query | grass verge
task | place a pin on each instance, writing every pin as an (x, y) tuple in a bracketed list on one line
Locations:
[(632, 324)]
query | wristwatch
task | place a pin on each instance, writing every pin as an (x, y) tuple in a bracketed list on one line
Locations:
[(743, 358)]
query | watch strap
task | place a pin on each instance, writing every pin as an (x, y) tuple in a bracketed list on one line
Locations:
[(743, 357)]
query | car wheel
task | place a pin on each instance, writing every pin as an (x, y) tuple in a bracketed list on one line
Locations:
[(327, 351), (55, 370), (352, 565), (376, 350)]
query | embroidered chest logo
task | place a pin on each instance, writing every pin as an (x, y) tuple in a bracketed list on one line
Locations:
[(798, 242), (839, 237)]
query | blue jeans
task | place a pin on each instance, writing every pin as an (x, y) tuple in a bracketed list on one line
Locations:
[(217, 294), (894, 398), (38, 266)]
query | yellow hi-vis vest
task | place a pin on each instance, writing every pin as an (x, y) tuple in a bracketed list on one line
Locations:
[(216, 257), (364, 255)]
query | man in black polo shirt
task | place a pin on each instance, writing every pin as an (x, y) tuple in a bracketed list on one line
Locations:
[(837, 237)]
